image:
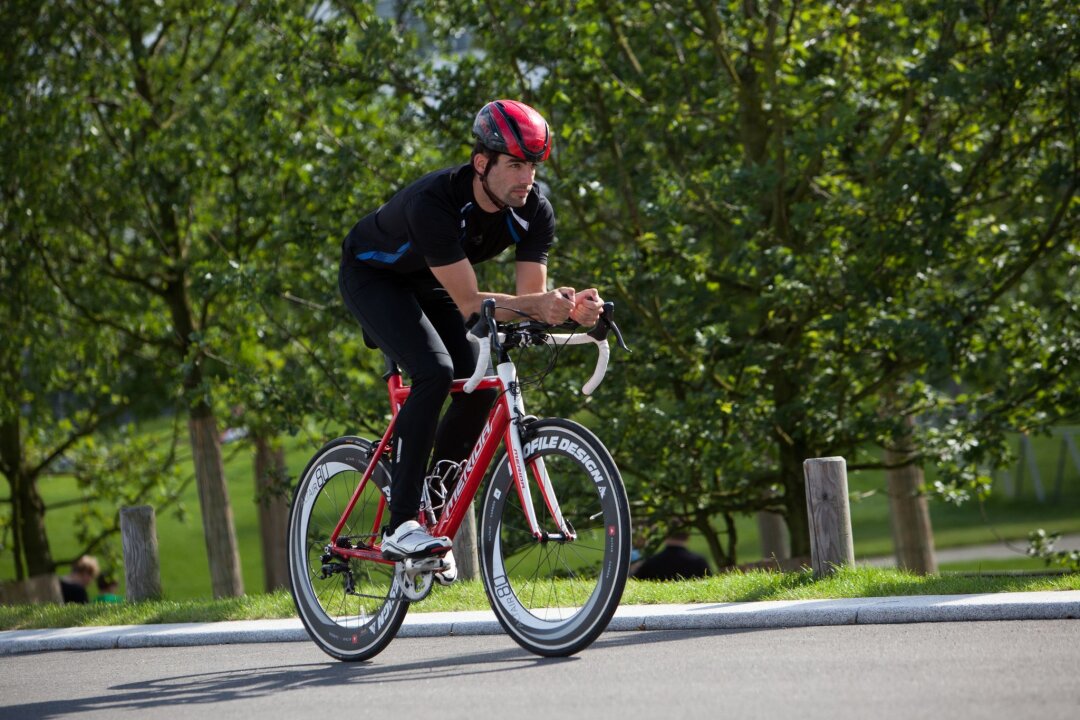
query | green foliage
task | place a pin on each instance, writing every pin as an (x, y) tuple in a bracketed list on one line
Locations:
[(817, 220), (1041, 545), (64, 380)]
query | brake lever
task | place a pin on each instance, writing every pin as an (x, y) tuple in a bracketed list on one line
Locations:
[(606, 323)]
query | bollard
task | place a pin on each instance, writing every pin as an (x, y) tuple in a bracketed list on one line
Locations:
[(142, 570), (829, 513)]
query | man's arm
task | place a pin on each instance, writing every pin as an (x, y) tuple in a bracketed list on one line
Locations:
[(552, 306), (531, 278)]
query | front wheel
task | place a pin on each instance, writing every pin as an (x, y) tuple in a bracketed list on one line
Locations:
[(554, 595), (351, 607)]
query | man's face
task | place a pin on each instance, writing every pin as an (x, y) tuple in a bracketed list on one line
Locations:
[(510, 179)]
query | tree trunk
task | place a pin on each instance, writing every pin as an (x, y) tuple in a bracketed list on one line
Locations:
[(31, 550), (773, 531), (721, 558), (913, 537), (272, 498), (219, 532), (218, 529), (138, 538), (791, 460), (31, 591), (466, 554), (31, 528)]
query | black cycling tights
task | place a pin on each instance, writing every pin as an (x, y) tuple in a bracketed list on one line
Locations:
[(413, 320)]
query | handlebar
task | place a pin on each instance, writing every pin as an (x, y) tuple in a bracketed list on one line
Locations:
[(486, 330)]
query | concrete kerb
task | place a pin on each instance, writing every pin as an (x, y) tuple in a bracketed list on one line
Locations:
[(716, 616)]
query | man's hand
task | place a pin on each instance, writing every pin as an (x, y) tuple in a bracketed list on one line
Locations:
[(556, 305), (587, 307)]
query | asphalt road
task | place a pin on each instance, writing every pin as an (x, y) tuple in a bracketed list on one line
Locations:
[(1004, 669)]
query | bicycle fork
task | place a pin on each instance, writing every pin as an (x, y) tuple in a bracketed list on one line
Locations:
[(508, 374)]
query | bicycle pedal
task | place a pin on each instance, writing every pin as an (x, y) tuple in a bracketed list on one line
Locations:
[(427, 564), (399, 557)]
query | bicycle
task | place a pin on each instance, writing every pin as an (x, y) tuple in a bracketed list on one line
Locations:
[(554, 532)]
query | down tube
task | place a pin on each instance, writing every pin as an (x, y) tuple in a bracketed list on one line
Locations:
[(475, 467)]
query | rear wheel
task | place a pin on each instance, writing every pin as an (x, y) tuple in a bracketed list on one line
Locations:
[(555, 595), (351, 608)]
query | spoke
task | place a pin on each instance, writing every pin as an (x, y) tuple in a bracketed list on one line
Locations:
[(344, 609), (554, 580)]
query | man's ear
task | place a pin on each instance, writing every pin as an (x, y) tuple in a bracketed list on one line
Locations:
[(480, 163)]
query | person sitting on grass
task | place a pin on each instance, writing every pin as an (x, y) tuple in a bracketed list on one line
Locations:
[(674, 562), (108, 589), (73, 585)]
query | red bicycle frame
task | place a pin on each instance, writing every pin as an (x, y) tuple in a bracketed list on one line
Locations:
[(497, 429)]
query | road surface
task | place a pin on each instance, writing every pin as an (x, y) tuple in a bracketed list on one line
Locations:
[(1005, 669)]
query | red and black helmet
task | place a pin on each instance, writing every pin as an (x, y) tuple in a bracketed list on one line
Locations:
[(514, 128)]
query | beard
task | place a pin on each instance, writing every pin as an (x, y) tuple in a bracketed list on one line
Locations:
[(514, 196)]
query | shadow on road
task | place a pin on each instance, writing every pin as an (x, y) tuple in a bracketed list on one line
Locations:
[(215, 687), (218, 687)]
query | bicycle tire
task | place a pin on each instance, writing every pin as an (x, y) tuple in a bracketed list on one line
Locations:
[(555, 598), (350, 627)]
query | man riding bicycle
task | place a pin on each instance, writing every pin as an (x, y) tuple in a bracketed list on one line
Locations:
[(407, 276)]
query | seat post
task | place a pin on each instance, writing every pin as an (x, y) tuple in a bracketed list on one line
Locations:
[(391, 367)]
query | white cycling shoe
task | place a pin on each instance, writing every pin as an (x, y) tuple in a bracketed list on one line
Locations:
[(410, 540), (448, 575)]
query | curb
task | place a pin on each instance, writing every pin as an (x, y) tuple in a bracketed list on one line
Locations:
[(1049, 605)]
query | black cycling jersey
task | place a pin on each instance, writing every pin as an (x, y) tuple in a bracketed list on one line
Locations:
[(436, 221)]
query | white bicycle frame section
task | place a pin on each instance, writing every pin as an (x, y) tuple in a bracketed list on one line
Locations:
[(507, 373)]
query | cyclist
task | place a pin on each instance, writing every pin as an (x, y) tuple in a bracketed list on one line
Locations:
[(407, 276)]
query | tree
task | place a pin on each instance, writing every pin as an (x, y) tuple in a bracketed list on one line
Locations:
[(341, 118), (64, 381), (816, 215), (209, 154), (829, 228)]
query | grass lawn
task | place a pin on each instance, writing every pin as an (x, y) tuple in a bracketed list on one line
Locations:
[(185, 574), (469, 595)]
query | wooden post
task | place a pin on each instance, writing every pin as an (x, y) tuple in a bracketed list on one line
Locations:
[(142, 570), (829, 514)]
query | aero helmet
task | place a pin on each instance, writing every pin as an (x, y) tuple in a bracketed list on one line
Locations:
[(514, 128)]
